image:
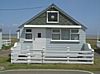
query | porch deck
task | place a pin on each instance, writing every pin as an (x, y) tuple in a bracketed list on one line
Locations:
[(19, 55)]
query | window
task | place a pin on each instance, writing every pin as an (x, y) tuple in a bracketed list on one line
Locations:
[(65, 34), (28, 34), (39, 35), (56, 30), (28, 30), (52, 17), (56, 34), (74, 34), (74, 30), (74, 37)]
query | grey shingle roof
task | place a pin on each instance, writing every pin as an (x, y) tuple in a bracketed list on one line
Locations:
[(56, 7)]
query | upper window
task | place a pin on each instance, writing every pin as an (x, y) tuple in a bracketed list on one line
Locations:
[(52, 17), (28, 34), (28, 30)]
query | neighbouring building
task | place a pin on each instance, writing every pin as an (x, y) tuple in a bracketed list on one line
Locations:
[(0, 38), (6, 39), (98, 41), (52, 36)]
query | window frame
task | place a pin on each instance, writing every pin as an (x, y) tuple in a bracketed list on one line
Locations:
[(38, 35), (28, 33), (74, 34), (57, 16), (56, 33), (67, 40)]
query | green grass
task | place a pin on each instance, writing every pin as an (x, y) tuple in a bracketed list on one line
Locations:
[(92, 42), (13, 40), (5, 63), (4, 47)]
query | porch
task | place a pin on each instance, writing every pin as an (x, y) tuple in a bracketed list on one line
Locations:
[(28, 56)]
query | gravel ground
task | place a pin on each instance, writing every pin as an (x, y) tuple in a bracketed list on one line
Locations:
[(4, 52)]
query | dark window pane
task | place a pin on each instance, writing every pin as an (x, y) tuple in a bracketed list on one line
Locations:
[(65, 34), (74, 30), (56, 30), (98, 38), (28, 36), (28, 30), (75, 37), (39, 35), (52, 17), (55, 36)]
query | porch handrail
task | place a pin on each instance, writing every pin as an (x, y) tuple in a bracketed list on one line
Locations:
[(89, 46)]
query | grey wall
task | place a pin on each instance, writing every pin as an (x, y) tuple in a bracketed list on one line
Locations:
[(36, 43), (45, 41), (57, 46)]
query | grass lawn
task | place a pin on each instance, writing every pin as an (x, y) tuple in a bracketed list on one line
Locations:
[(92, 42), (5, 63)]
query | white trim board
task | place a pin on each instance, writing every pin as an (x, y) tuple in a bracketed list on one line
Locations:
[(52, 26), (65, 40)]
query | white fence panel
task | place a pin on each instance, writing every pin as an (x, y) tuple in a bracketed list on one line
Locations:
[(81, 57)]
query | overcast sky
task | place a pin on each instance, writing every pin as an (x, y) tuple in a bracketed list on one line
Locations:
[(86, 12)]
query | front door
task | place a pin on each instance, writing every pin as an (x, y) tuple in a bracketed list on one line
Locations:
[(39, 38)]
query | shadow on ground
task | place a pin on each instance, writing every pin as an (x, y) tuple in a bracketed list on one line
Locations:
[(97, 50)]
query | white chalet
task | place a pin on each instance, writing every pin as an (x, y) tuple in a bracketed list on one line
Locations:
[(52, 36)]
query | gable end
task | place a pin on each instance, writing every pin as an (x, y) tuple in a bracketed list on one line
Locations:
[(41, 18)]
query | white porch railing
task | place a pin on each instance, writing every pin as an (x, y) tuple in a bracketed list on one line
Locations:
[(6, 42), (44, 56), (98, 43)]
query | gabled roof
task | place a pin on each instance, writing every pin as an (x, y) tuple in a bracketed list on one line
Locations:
[(56, 7)]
